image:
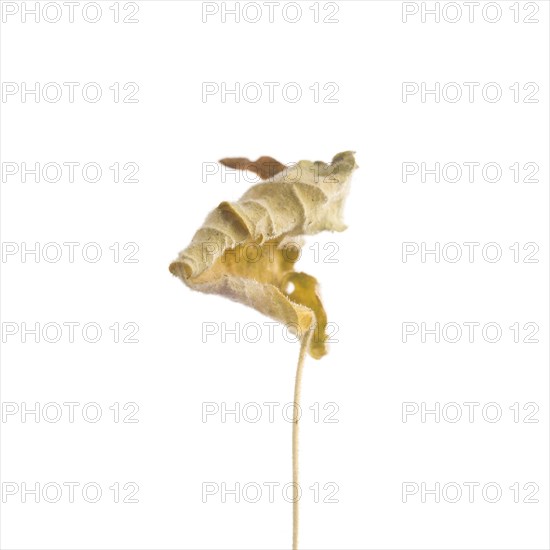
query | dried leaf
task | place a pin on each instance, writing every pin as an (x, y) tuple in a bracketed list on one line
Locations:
[(241, 250)]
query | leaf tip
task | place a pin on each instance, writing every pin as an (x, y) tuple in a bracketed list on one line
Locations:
[(181, 269)]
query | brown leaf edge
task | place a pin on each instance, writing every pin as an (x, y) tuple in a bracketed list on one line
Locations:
[(265, 167)]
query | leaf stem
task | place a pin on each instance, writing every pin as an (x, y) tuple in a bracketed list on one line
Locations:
[(304, 345)]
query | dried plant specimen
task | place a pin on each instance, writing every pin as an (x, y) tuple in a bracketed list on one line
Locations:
[(304, 199)]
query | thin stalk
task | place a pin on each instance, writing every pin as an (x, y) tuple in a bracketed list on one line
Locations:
[(295, 439)]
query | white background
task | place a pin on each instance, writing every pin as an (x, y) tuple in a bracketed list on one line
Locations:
[(170, 132)]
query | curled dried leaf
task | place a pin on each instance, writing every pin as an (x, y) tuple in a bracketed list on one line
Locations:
[(302, 200)]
